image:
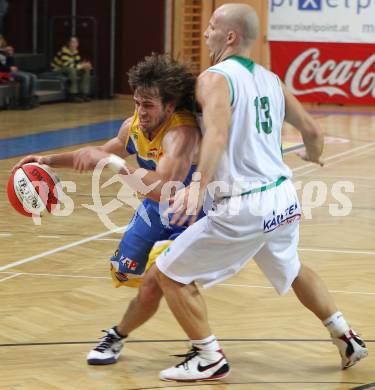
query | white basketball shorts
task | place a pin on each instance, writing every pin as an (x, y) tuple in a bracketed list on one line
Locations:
[(263, 226)]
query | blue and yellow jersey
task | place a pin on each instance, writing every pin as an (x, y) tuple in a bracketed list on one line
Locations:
[(149, 152), (137, 250)]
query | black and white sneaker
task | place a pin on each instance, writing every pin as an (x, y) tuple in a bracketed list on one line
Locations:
[(351, 347), (108, 349), (197, 368)]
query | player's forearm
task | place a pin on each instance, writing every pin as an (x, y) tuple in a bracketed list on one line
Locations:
[(298, 117), (59, 160), (313, 139), (314, 147)]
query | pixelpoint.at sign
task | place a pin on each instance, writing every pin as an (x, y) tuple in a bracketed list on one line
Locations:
[(309, 5), (318, 5), (349, 21)]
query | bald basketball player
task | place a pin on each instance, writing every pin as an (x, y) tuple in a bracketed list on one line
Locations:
[(244, 107)]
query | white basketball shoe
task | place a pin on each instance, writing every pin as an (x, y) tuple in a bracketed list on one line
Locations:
[(351, 347), (108, 349), (197, 368)]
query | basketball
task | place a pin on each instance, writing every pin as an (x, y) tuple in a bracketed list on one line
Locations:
[(33, 189)]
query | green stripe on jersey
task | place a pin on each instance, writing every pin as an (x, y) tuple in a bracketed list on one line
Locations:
[(226, 75), (246, 62), (262, 188)]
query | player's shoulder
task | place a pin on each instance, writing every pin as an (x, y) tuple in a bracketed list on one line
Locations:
[(211, 78), (183, 118), (126, 128), (127, 123), (183, 123), (259, 69)]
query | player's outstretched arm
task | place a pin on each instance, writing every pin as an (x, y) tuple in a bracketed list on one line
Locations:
[(76, 158), (54, 160), (312, 135), (86, 158)]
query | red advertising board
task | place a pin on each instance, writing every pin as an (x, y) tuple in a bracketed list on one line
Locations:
[(342, 73)]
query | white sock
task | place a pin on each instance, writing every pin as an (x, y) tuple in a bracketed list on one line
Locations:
[(208, 347), (336, 324), (117, 333)]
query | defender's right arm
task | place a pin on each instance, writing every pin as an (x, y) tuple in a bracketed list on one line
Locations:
[(312, 135)]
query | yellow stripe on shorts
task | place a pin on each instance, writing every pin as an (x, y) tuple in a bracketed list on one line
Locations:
[(128, 280)]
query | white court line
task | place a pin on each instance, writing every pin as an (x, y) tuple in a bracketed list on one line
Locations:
[(358, 148), (270, 287), (60, 248), (9, 277), (56, 275), (346, 251), (339, 160), (334, 176), (326, 250), (59, 237), (108, 239), (351, 292), (100, 235), (220, 284)]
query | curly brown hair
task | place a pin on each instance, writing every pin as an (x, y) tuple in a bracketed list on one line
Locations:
[(172, 79)]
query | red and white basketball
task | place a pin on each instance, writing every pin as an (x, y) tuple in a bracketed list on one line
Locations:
[(33, 188)]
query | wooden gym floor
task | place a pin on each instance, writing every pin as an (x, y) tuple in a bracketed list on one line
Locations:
[(56, 294)]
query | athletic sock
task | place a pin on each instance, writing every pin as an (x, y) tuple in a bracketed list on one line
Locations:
[(336, 324), (208, 347), (120, 336)]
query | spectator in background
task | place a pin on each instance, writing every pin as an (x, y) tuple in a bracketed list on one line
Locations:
[(69, 63), (27, 80)]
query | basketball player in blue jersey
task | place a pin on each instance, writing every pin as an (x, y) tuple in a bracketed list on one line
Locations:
[(164, 136)]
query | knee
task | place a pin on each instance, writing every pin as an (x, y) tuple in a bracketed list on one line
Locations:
[(296, 279), (302, 273), (149, 292), (72, 74), (306, 278), (163, 280), (157, 275)]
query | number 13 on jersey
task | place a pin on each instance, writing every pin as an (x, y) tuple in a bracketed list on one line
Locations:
[(262, 108)]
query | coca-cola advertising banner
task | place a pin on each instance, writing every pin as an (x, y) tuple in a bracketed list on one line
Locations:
[(326, 72), (350, 21)]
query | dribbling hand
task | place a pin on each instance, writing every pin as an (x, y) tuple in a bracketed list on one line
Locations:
[(31, 159)]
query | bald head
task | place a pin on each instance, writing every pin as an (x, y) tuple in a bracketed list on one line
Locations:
[(240, 18)]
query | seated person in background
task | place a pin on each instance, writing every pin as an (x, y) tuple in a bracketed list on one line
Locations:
[(26, 80), (69, 63)]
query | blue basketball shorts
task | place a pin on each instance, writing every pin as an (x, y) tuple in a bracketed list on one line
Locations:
[(145, 229)]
